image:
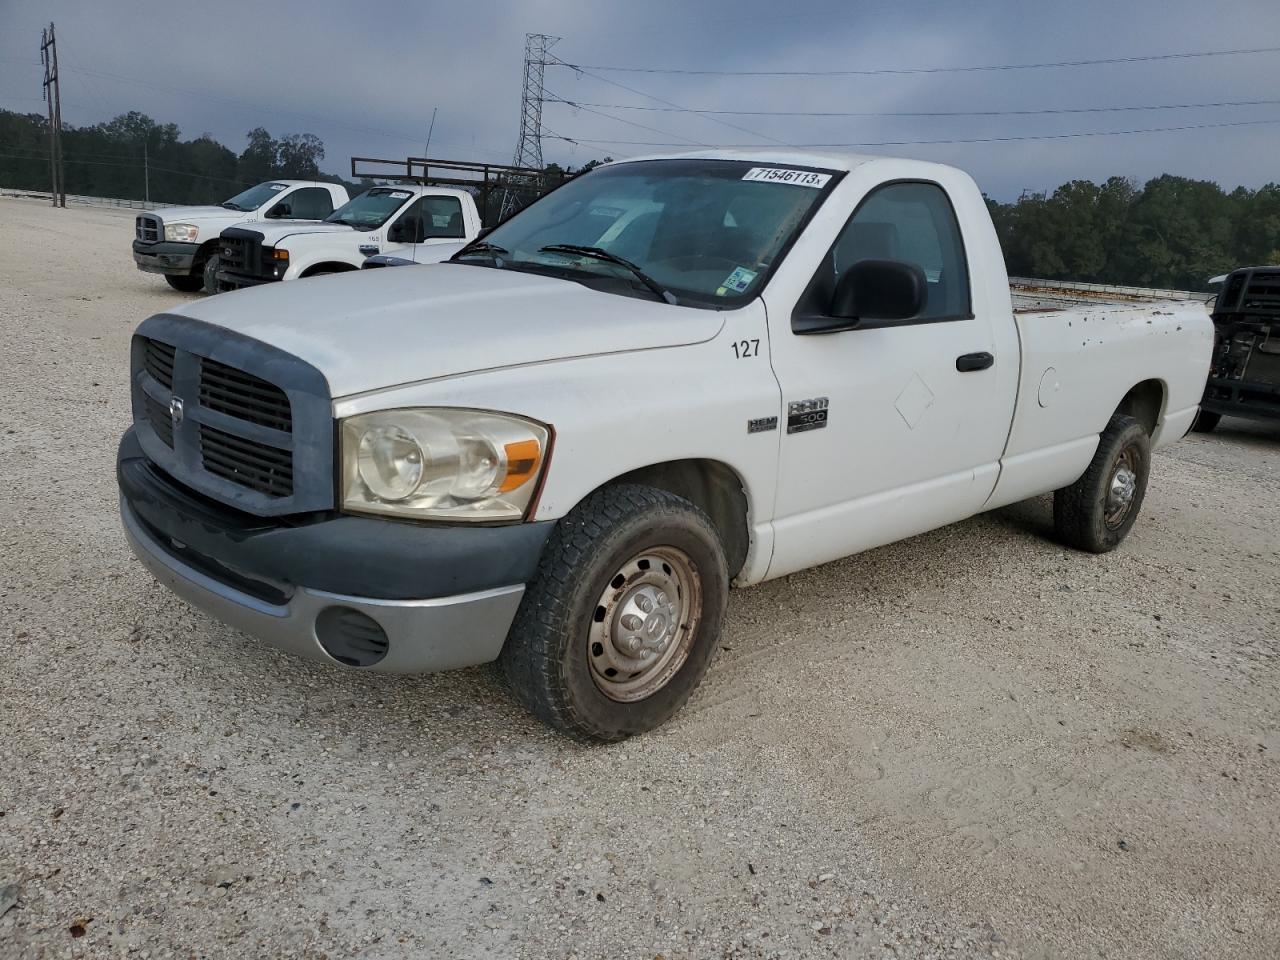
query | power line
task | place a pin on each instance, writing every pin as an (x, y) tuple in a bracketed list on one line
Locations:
[(917, 70), (649, 96), (904, 143), (589, 107)]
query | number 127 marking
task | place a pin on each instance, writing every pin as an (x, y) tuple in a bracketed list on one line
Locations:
[(746, 348)]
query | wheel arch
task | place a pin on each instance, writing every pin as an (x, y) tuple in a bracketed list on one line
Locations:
[(711, 485), (206, 250), (326, 266), (1145, 402)]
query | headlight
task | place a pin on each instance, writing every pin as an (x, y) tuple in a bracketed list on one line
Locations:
[(181, 231), (441, 464)]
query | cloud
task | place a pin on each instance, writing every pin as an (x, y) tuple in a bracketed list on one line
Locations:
[(366, 82)]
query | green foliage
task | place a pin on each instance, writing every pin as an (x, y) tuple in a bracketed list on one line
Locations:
[(1174, 232), (106, 160)]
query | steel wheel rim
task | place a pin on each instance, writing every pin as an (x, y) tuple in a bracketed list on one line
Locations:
[(644, 624), (1122, 487)]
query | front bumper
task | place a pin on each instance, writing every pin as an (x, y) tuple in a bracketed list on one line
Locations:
[(167, 257), (440, 597), (238, 281)]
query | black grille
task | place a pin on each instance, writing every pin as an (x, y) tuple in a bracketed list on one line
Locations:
[(160, 420), (241, 252), (157, 360), (254, 428), (148, 228), (243, 396), (251, 464)]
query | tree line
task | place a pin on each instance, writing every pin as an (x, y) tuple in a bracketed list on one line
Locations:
[(1170, 232), (133, 155)]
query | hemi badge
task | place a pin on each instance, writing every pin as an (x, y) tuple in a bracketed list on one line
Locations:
[(762, 424)]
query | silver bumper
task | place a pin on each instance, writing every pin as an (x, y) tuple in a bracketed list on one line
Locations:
[(423, 635)]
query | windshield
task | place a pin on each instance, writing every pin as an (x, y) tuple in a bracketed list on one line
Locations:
[(371, 209), (707, 231), (254, 197)]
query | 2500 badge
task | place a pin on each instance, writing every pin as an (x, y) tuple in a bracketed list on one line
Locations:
[(803, 415)]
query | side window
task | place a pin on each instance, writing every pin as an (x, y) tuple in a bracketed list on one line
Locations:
[(912, 222), (442, 217), (309, 203)]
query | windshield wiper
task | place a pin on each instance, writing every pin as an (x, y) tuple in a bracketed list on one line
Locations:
[(601, 254), (483, 246), (232, 206)]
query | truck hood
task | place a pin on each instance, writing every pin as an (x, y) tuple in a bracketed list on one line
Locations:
[(201, 215), (277, 230), (375, 329)]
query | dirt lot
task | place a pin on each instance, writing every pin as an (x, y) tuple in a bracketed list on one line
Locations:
[(969, 744)]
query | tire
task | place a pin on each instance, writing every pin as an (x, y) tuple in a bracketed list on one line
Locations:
[(1097, 512), (212, 264), (191, 283), (1205, 421), (622, 547)]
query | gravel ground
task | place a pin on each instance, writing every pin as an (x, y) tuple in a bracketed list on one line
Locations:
[(968, 744)]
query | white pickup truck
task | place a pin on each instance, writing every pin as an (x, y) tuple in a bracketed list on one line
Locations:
[(182, 242), (399, 219), (558, 449)]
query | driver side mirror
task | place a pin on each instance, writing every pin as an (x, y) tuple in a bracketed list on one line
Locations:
[(279, 211), (880, 290)]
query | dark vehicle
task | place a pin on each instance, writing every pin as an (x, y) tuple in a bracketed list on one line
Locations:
[(1244, 377)]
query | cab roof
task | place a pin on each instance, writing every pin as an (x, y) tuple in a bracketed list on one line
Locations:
[(780, 156)]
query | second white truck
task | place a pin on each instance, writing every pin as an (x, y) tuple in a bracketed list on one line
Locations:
[(558, 449), (381, 220)]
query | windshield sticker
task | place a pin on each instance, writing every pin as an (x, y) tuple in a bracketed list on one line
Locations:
[(278, 186), (736, 282), (400, 194), (799, 178)]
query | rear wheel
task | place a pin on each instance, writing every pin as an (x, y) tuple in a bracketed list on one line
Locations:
[(1205, 421), (191, 283), (621, 620), (1097, 512)]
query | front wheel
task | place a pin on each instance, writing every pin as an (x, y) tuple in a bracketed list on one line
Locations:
[(1097, 511), (190, 283), (622, 618), (212, 265)]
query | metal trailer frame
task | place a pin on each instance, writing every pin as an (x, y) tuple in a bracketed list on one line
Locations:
[(499, 187)]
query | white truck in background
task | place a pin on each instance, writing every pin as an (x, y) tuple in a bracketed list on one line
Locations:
[(391, 219), (559, 448), (430, 211), (181, 243)]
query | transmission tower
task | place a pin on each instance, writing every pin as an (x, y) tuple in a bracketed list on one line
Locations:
[(53, 95), (529, 146)]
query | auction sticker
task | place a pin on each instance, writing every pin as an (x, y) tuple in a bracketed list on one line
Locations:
[(400, 194), (738, 281), (799, 178)]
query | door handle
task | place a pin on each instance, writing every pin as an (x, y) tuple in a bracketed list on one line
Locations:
[(967, 363)]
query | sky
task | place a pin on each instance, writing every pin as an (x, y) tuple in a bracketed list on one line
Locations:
[(365, 79)]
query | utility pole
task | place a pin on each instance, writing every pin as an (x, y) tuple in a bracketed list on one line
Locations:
[(529, 146), (427, 151), (53, 96), (146, 174)]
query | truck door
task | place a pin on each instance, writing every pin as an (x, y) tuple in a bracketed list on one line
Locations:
[(429, 220), (896, 427)]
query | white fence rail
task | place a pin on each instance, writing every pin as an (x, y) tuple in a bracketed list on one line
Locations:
[(85, 201)]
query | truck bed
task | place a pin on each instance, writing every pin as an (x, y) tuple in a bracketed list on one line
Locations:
[(1033, 295)]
